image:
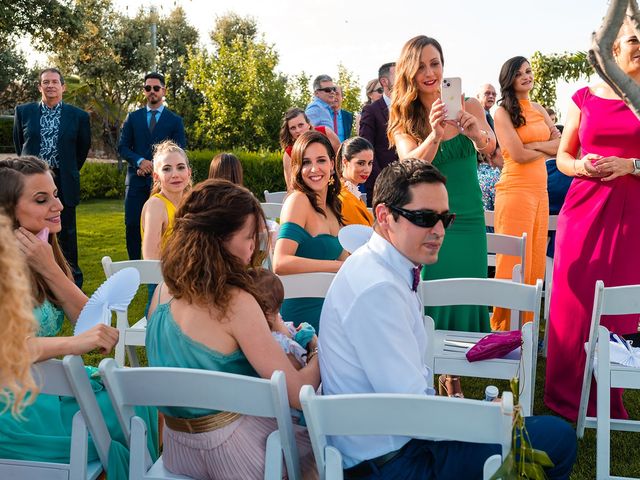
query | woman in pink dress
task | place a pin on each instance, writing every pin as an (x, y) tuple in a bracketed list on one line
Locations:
[(598, 228)]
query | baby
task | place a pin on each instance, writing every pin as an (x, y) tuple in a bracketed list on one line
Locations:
[(294, 341)]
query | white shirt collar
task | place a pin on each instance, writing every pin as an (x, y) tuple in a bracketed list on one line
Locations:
[(387, 100), (396, 260)]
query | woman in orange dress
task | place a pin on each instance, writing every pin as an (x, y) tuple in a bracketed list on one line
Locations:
[(527, 137), (355, 160)]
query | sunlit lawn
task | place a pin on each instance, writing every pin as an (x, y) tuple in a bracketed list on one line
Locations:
[(101, 232)]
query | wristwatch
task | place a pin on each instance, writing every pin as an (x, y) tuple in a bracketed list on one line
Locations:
[(636, 166)]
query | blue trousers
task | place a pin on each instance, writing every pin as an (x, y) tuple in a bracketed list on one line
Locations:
[(443, 460)]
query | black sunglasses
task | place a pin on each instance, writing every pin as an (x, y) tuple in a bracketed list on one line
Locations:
[(156, 88), (327, 89), (380, 90), (425, 218)]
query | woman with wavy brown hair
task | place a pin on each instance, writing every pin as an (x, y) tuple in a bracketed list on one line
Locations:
[(418, 128), (17, 326), (294, 123), (208, 314), (226, 166), (527, 138), (310, 220), (29, 197)]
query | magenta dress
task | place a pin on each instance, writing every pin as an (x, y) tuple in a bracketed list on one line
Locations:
[(597, 239)]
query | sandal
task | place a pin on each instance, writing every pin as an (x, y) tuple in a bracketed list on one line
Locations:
[(447, 386)]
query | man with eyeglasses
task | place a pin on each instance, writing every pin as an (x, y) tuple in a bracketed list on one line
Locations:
[(373, 127), (373, 339), (142, 129), (344, 123), (320, 111), (60, 134)]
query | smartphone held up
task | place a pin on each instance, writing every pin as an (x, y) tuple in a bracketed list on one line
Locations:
[(451, 95)]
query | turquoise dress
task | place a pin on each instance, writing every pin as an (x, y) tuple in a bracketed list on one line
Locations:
[(168, 346), (320, 247), (464, 250), (44, 432)]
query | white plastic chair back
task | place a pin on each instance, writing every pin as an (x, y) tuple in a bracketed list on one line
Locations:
[(272, 210), (447, 350), (67, 378), (421, 416), (193, 388), (132, 335), (607, 301), (307, 285), (508, 245), (274, 197)]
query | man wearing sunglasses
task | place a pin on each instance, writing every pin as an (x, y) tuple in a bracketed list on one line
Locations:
[(373, 127), (320, 111), (373, 339), (143, 129)]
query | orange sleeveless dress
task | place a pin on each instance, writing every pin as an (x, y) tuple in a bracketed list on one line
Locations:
[(522, 205)]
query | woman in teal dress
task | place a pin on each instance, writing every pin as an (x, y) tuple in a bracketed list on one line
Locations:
[(209, 315), (310, 220), (28, 195), (420, 127)]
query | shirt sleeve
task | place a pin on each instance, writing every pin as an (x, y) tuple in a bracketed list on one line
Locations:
[(379, 326), (318, 116)]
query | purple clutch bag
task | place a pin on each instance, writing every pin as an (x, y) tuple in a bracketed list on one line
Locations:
[(495, 345)]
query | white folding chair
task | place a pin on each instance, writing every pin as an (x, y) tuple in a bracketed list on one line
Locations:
[(508, 245), (132, 335), (548, 281), (193, 388), (608, 301), (306, 285), (274, 197), (271, 210), (67, 378), (448, 348), (417, 416), (489, 218)]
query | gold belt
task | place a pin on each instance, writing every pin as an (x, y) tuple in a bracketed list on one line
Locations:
[(207, 423)]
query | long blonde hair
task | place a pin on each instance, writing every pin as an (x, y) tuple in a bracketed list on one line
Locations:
[(406, 113), (18, 388)]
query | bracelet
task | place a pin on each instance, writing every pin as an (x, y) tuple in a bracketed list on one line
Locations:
[(487, 141), (312, 354)]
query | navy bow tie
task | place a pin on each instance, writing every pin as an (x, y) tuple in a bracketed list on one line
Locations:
[(416, 277)]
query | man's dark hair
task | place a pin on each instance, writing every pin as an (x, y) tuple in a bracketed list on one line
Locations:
[(392, 185), (51, 70), (384, 70), (156, 75)]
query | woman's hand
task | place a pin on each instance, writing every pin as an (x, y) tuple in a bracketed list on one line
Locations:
[(313, 343), (103, 337), (437, 119), (613, 167), (38, 253), (467, 124)]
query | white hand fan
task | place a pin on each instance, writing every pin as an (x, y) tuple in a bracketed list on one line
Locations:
[(114, 294), (353, 237)]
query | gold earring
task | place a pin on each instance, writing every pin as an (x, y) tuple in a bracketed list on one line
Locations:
[(332, 180)]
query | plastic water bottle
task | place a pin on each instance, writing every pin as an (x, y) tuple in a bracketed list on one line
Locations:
[(491, 393)]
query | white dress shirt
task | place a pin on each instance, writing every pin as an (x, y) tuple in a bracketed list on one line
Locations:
[(372, 338)]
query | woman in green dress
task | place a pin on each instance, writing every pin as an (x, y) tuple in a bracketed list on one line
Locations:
[(418, 128), (29, 196), (310, 219)]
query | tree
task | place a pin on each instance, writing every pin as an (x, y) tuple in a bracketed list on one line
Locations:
[(43, 19), (548, 69), (298, 90), (17, 81), (351, 89), (110, 56), (244, 97)]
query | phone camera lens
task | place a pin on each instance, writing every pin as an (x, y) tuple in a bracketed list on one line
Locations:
[(448, 84)]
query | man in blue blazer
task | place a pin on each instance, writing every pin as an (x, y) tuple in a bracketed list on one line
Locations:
[(343, 118), (60, 134), (143, 129)]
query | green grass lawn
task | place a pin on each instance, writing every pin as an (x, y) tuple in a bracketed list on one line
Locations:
[(101, 232)]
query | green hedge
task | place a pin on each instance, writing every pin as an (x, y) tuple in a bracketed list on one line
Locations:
[(262, 171), (6, 134)]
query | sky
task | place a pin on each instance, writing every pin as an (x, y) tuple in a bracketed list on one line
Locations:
[(477, 37)]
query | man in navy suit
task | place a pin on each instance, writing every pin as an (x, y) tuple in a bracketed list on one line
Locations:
[(373, 127), (343, 118), (60, 134), (143, 129)]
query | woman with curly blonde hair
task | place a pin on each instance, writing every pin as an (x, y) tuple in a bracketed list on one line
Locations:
[(17, 325), (420, 128)]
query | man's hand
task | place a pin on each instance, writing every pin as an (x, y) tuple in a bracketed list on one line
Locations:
[(145, 168)]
